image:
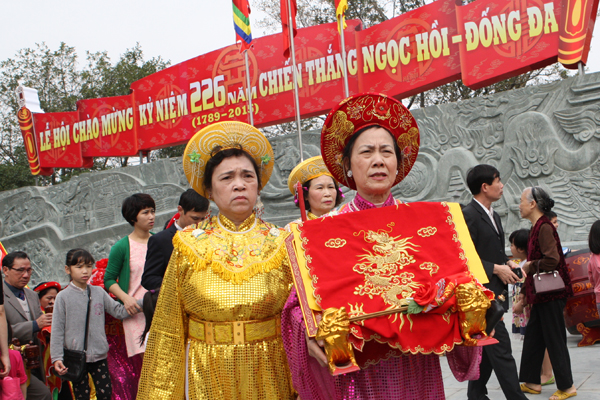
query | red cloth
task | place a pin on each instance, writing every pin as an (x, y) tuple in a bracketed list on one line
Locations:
[(285, 24), (383, 255)]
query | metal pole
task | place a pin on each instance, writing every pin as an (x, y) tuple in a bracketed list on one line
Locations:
[(295, 73), (581, 70), (141, 157), (341, 30), (249, 89)]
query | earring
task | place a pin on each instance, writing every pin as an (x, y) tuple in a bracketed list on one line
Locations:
[(349, 174), (396, 172)]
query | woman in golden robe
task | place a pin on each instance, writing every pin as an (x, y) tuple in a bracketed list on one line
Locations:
[(216, 330)]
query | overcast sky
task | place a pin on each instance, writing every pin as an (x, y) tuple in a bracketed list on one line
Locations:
[(177, 30)]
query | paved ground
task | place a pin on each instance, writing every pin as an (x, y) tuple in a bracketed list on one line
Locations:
[(585, 363)]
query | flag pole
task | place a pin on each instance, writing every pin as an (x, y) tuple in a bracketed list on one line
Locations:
[(295, 76), (340, 20), (249, 89)]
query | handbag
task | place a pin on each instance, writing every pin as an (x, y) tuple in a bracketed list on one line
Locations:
[(494, 314), (75, 360), (547, 282)]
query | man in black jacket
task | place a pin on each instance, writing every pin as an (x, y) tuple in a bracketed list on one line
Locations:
[(192, 209), (486, 231)]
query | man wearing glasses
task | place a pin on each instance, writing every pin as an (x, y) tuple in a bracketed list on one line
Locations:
[(24, 313)]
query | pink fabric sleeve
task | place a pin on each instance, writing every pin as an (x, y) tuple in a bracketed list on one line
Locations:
[(311, 381), (464, 362)]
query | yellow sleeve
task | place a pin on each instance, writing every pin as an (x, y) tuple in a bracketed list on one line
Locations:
[(163, 372)]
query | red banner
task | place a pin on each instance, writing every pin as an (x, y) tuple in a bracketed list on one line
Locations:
[(481, 43)]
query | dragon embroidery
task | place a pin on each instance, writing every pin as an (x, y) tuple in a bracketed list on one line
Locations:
[(380, 267)]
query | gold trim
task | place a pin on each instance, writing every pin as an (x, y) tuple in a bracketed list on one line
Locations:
[(235, 332)]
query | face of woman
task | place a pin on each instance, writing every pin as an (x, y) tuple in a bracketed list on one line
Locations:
[(145, 219), (373, 162), (321, 195), (47, 300), (526, 206), (235, 188)]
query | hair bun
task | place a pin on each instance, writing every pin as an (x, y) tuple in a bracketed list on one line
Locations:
[(550, 204)]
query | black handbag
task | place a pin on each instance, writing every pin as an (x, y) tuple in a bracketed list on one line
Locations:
[(495, 313), (75, 360)]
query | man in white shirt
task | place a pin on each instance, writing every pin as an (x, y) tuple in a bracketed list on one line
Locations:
[(486, 231)]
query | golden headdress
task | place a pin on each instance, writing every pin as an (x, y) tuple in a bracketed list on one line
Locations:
[(362, 111), (226, 135), (307, 170)]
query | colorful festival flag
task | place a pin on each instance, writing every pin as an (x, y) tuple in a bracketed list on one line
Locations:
[(340, 8), (2, 252), (241, 23), (285, 24)]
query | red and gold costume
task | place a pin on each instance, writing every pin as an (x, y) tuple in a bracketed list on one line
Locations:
[(370, 258)]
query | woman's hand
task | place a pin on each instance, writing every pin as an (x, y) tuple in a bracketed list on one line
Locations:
[(131, 305), (5, 358), (60, 367), (315, 349)]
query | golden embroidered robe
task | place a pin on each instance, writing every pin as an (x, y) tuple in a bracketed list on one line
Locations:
[(218, 273)]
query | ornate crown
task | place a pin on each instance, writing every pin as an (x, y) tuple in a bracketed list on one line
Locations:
[(222, 136), (361, 111), (307, 170)]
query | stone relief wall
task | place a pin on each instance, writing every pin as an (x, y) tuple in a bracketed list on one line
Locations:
[(546, 135)]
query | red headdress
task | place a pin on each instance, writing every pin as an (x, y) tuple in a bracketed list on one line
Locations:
[(46, 285), (362, 111)]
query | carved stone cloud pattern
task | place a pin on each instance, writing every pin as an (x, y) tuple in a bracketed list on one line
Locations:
[(541, 135)]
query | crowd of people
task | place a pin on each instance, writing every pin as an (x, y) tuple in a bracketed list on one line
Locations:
[(207, 308)]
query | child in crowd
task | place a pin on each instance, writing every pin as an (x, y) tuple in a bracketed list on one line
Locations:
[(69, 332), (553, 218), (594, 264), (150, 299), (518, 247)]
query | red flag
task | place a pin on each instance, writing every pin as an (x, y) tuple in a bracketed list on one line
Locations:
[(285, 24)]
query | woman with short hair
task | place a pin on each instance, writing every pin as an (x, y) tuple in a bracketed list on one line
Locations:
[(216, 329), (123, 279)]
